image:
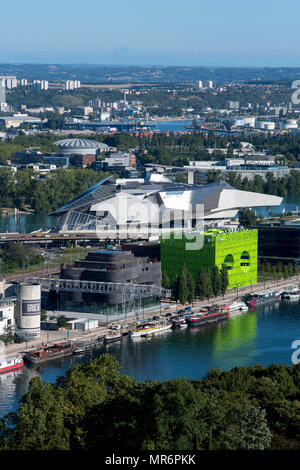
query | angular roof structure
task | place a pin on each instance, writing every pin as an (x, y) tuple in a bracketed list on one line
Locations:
[(217, 200)]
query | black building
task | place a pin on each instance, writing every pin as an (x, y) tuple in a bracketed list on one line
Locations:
[(279, 242), (108, 266)]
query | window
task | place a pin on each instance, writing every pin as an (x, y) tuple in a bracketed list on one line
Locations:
[(229, 261)]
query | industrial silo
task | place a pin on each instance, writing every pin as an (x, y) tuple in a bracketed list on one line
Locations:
[(28, 311)]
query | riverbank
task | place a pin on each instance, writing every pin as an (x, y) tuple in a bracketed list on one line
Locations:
[(51, 337)]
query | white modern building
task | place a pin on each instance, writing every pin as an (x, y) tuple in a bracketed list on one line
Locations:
[(110, 206)]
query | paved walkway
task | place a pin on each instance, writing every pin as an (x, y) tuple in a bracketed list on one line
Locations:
[(48, 337)]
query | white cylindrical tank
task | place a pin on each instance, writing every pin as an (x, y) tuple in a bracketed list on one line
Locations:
[(290, 124), (266, 125), (249, 121), (28, 310)]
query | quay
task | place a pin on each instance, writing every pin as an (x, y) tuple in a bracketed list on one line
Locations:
[(90, 339)]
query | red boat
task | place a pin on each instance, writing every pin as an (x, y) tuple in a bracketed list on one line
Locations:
[(208, 315), (8, 364)]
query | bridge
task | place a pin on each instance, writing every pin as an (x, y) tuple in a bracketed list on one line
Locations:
[(129, 291), (48, 238)]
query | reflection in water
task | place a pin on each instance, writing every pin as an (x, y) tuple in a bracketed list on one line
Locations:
[(25, 223), (237, 333), (261, 337), (234, 342)]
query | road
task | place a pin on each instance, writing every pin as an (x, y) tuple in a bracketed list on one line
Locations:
[(48, 337)]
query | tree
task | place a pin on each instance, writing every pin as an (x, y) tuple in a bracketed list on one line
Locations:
[(61, 321), (175, 288), (224, 279), (191, 287), (204, 285), (165, 281), (247, 217), (183, 290), (254, 431), (8, 336), (216, 281)]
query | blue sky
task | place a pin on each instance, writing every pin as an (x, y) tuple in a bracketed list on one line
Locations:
[(160, 32)]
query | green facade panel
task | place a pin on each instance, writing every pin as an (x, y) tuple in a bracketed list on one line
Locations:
[(238, 250)]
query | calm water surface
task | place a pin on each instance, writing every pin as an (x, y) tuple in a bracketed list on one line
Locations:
[(261, 337)]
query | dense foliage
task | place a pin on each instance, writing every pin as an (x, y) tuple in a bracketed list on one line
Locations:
[(94, 407), (14, 256), (25, 189)]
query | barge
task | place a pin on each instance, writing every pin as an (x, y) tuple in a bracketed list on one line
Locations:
[(47, 353), (208, 315)]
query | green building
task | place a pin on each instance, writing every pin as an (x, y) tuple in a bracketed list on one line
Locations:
[(237, 249)]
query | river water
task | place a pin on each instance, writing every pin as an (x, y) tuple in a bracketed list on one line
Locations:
[(261, 337)]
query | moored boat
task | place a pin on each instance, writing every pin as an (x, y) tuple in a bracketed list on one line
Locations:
[(261, 298), (47, 353), (149, 329), (208, 315), (179, 323), (292, 293), (111, 338), (8, 364), (79, 351), (235, 307)]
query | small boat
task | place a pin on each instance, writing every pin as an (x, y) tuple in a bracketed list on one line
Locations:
[(8, 364), (179, 323), (261, 298), (149, 329), (235, 307), (113, 338), (79, 351), (292, 294)]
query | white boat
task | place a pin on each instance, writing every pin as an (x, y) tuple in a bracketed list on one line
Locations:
[(149, 330), (8, 364), (292, 293), (292, 296), (111, 338), (236, 307)]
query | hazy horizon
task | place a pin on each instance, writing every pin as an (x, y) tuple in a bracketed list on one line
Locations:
[(190, 33)]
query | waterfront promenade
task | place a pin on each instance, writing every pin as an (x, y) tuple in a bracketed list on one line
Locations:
[(77, 336)]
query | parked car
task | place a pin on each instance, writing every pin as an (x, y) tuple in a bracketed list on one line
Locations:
[(156, 317)]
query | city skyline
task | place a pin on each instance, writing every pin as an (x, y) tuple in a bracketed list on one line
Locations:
[(185, 34)]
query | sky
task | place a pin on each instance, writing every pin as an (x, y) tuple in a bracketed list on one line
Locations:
[(153, 32)]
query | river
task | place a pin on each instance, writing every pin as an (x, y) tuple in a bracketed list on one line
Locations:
[(261, 337), (25, 223)]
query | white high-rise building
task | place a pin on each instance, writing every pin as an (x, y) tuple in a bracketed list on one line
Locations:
[(41, 84), (199, 84), (72, 84), (9, 81), (2, 92), (24, 82), (210, 84)]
